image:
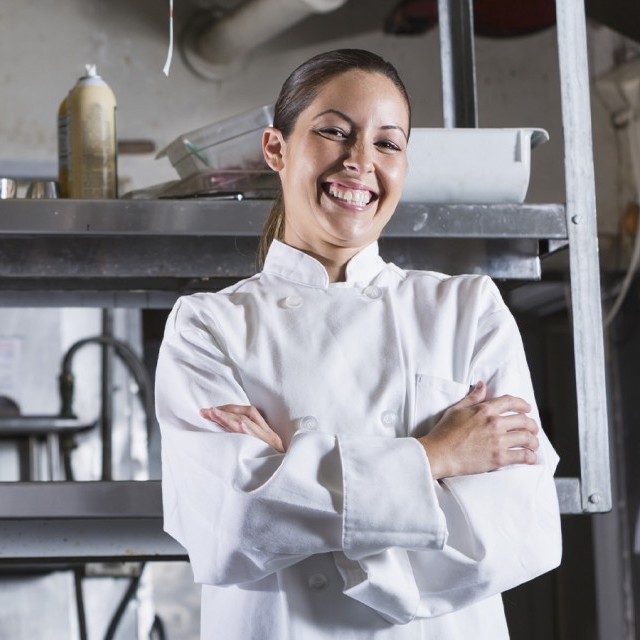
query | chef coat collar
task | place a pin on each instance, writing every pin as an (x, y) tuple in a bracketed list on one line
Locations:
[(295, 265)]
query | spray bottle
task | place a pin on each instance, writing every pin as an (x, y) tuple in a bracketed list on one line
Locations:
[(89, 116)]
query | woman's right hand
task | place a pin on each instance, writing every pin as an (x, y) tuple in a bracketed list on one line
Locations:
[(237, 418), (474, 435)]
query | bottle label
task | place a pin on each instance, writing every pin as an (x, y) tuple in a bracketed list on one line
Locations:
[(92, 166)]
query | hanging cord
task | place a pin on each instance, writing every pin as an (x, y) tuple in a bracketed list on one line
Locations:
[(167, 64), (157, 629), (128, 595), (78, 573), (633, 130)]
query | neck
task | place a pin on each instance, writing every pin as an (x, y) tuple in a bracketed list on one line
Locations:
[(336, 265), (333, 259)]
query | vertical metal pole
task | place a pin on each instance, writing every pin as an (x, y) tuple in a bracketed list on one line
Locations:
[(584, 264), (33, 459), (53, 456), (457, 62), (106, 417)]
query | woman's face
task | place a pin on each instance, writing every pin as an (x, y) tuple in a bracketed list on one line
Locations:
[(343, 166)]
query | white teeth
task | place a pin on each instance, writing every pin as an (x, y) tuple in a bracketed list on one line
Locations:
[(357, 196)]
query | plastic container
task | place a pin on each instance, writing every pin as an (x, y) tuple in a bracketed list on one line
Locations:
[(470, 166), (233, 143), (91, 108)]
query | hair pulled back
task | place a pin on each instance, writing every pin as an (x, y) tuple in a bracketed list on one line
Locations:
[(298, 92)]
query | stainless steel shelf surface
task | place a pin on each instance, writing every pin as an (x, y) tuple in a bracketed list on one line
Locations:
[(229, 218), (83, 521), (144, 253)]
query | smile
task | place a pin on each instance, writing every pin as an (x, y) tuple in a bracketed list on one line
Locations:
[(357, 196)]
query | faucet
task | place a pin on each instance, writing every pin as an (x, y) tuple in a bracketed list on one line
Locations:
[(137, 369)]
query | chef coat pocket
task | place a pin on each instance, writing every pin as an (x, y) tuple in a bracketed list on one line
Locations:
[(433, 396)]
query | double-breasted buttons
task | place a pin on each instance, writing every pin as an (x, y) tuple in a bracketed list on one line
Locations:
[(308, 422), (292, 302), (318, 582), (372, 292), (389, 418)]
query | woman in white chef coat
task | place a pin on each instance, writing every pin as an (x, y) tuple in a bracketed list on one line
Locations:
[(351, 450)]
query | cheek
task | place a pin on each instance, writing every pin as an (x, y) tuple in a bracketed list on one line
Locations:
[(395, 175)]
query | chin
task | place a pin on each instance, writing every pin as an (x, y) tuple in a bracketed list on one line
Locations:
[(353, 241)]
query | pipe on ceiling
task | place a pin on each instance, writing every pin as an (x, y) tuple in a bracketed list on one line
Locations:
[(221, 45)]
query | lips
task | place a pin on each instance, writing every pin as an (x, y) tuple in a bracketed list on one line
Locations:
[(357, 195)]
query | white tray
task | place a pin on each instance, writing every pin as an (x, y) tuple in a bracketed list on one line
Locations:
[(470, 166)]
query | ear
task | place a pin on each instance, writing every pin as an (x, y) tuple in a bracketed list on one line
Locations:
[(273, 145)]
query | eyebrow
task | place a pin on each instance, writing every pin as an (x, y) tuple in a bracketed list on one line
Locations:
[(344, 116)]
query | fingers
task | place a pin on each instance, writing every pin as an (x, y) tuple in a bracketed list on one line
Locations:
[(244, 419), (518, 456), (521, 439), (503, 404), (227, 420), (248, 411), (508, 404), (477, 393), (518, 422), (253, 420)]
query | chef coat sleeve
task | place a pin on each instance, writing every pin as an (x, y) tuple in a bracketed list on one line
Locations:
[(504, 526), (242, 510)]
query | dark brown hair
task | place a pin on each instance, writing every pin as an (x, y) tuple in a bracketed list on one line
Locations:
[(298, 92)]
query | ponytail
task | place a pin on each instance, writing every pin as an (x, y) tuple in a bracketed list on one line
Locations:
[(273, 229)]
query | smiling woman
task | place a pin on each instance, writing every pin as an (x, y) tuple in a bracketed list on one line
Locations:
[(349, 83), (351, 450), (342, 167)]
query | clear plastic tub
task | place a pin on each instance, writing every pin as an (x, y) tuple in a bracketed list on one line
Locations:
[(233, 143)]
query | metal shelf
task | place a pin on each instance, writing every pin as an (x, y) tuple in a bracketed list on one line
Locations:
[(229, 218), (145, 253), (61, 522)]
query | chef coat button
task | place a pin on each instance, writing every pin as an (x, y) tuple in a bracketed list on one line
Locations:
[(372, 292), (389, 418), (292, 302), (309, 422), (318, 582)]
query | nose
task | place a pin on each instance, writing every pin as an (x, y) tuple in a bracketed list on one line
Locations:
[(359, 159)]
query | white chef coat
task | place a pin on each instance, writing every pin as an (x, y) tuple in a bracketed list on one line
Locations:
[(346, 535)]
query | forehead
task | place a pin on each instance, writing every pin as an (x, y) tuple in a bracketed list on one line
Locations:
[(361, 91)]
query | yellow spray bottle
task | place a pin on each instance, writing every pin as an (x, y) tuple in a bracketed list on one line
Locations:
[(92, 146)]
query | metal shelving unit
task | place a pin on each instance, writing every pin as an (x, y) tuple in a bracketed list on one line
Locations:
[(144, 253), (591, 493)]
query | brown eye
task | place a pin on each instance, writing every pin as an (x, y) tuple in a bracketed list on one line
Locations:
[(387, 145), (333, 132)]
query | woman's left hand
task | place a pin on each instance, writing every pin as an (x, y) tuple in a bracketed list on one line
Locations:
[(237, 418)]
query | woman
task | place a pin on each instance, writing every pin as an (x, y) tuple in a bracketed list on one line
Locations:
[(371, 464)]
